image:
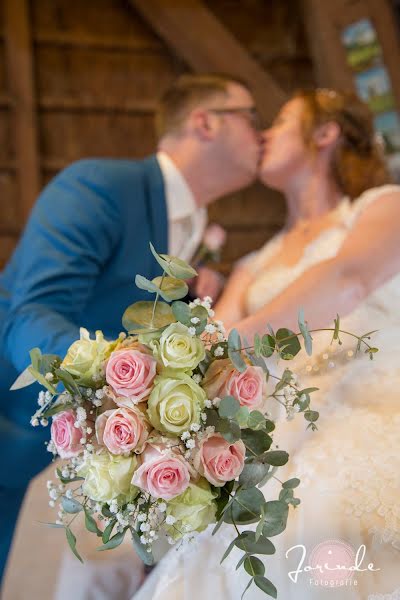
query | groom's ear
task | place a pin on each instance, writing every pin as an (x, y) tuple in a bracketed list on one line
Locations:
[(326, 135), (202, 124)]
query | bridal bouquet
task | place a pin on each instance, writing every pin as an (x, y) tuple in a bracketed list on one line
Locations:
[(165, 430)]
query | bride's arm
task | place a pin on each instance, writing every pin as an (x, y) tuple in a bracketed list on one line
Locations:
[(229, 307), (369, 256)]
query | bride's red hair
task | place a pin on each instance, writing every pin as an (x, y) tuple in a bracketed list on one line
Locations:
[(357, 161)]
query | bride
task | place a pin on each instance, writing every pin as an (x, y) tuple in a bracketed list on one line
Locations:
[(338, 253)]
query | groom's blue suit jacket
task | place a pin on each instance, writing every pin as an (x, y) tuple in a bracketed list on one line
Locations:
[(75, 266)]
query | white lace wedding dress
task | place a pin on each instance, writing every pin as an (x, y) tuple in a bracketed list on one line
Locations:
[(349, 468)]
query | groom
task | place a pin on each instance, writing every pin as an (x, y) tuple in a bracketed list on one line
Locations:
[(87, 237)]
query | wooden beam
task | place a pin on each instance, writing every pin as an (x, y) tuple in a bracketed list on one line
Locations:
[(19, 62), (206, 45)]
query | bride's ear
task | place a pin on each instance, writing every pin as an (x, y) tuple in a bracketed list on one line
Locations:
[(326, 135)]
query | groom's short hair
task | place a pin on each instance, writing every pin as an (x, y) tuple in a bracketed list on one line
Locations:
[(188, 92)]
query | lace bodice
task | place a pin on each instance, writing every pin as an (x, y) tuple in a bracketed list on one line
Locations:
[(270, 279)]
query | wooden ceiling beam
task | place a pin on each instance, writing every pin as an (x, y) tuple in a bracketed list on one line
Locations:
[(203, 42)]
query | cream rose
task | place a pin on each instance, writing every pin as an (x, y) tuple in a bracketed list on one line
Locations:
[(178, 349), (108, 477), (193, 510), (85, 357), (174, 404)]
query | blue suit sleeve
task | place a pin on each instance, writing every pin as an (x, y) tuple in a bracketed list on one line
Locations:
[(71, 234)]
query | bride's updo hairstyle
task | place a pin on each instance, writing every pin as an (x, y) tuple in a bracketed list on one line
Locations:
[(357, 160)]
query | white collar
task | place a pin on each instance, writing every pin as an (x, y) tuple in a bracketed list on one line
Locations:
[(179, 197)]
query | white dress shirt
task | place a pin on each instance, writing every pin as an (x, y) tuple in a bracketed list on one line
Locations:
[(186, 221)]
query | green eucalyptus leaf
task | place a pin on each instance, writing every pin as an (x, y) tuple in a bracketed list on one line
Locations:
[(234, 351), (256, 420), (23, 380), (275, 458), (275, 517), (254, 566), (246, 507), (228, 407), (291, 483), (72, 543), (242, 416), (286, 495), (56, 408), (70, 505), (288, 347), (171, 288), (229, 429), (311, 416), (228, 551), (141, 550), (113, 542), (256, 442), (248, 543), (173, 266), (68, 381), (108, 530), (141, 314), (268, 345), (252, 474), (91, 524), (182, 312), (247, 586), (65, 480), (36, 358), (42, 380), (145, 284), (266, 586), (303, 326)]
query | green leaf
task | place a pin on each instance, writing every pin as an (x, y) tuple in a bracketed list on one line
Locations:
[(252, 474), (305, 332), (234, 351), (286, 495), (256, 420), (291, 483), (266, 586), (223, 498), (268, 345), (171, 288), (288, 347), (254, 566), (173, 266), (245, 508), (311, 416), (68, 381), (113, 542), (107, 531), (242, 416), (146, 557), (52, 525), (106, 512), (91, 524), (228, 551), (275, 518), (72, 543), (23, 380), (248, 543), (70, 505), (56, 408), (246, 588), (284, 380), (228, 407), (256, 442), (140, 314), (36, 358), (229, 430), (145, 284), (276, 458), (182, 312), (42, 380)]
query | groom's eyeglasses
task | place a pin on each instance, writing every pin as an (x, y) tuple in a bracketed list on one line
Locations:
[(249, 112)]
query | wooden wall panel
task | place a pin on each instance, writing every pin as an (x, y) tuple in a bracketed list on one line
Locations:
[(9, 216), (66, 137)]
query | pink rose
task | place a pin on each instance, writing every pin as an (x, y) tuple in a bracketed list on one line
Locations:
[(249, 387), (131, 374), (65, 436), (163, 474), (121, 430), (218, 460), (214, 237)]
